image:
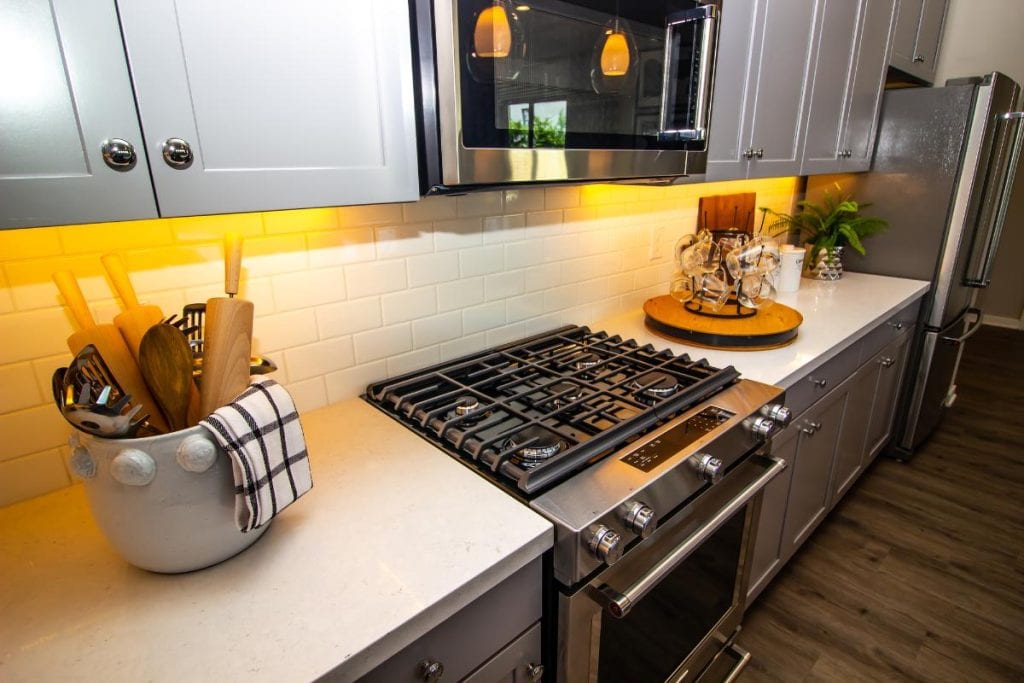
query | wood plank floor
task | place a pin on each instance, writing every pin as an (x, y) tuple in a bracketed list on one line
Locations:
[(918, 573)]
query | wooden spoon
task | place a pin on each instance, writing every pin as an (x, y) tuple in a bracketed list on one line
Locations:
[(166, 363)]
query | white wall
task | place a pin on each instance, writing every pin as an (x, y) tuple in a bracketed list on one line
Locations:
[(982, 36)]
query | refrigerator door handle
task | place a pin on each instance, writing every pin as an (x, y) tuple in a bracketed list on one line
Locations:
[(999, 199), (970, 330)]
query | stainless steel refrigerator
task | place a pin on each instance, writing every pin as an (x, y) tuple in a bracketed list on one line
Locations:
[(942, 176)]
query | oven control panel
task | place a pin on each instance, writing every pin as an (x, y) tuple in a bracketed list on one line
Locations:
[(653, 453)]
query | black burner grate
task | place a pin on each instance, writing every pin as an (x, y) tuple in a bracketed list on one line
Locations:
[(586, 391)]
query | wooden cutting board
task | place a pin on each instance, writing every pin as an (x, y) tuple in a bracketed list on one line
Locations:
[(771, 328)]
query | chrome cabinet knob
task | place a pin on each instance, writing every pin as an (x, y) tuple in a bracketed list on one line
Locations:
[(119, 154), (431, 671), (820, 383), (895, 324), (640, 519), (534, 672), (748, 153), (606, 544), (177, 153), (811, 428), (760, 153), (887, 362), (708, 467), (918, 59), (778, 413)]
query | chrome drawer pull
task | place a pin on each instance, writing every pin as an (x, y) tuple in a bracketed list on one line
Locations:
[(430, 670), (887, 362), (895, 324), (820, 383), (811, 428)]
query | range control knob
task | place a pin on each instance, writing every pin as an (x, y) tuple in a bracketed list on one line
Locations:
[(606, 544), (640, 519), (778, 413), (708, 467), (761, 427)]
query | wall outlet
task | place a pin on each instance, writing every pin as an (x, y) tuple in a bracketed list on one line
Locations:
[(659, 235)]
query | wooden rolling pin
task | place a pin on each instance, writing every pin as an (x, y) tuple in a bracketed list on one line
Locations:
[(136, 319), (108, 341), (227, 339)]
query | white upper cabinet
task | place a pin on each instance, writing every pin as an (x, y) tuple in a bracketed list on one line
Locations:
[(848, 80), (244, 107), (64, 92), (761, 79), (279, 105), (917, 36)]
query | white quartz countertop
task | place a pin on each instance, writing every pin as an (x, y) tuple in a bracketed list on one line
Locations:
[(835, 314), (394, 538)]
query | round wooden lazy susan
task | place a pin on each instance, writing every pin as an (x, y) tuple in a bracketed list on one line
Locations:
[(771, 328)]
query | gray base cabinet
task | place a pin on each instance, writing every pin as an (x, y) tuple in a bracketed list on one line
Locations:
[(497, 637), (917, 36), (843, 417)]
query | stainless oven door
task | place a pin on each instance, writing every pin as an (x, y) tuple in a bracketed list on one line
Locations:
[(675, 601), (557, 90)]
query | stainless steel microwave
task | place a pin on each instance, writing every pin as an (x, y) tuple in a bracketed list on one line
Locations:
[(546, 91)]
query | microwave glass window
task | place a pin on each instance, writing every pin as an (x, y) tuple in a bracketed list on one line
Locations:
[(584, 74)]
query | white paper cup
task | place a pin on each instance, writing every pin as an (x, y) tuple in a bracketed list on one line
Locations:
[(790, 268)]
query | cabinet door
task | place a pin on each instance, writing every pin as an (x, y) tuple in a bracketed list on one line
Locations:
[(777, 110), (519, 662), (929, 36), (809, 490), (65, 91), (904, 35), (853, 435), (867, 85), (766, 558), (890, 362), (283, 105)]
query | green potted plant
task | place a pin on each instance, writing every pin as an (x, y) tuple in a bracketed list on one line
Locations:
[(826, 228)]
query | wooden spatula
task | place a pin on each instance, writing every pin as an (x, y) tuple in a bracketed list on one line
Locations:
[(227, 345), (108, 341), (166, 363), (136, 318)]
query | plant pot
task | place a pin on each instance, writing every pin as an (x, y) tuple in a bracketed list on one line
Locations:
[(828, 265)]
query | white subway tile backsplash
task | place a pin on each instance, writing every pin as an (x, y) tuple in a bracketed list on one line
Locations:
[(523, 254), (336, 320), (433, 268), (273, 255), (340, 247), (32, 475), (460, 294), (561, 247), (436, 329), (32, 430), (558, 298), (504, 285), (464, 345), (397, 241), (430, 209), (506, 334), (480, 204), (527, 306), (6, 298), (375, 277), (543, 276), (459, 233), (506, 228), (308, 395), (526, 199), (543, 223), (383, 342), (352, 382), (370, 214), (20, 389), (483, 317), (284, 330), (308, 288), (408, 304), (561, 197), (319, 357), (30, 244), (33, 334), (481, 260), (414, 360)]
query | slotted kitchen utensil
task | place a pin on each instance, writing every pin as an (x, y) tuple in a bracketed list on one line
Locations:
[(92, 401), (110, 345), (194, 316), (166, 363)]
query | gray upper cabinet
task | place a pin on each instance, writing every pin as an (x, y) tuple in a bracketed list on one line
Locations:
[(282, 105), (244, 107), (66, 91), (917, 36), (848, 80), (764, 57)]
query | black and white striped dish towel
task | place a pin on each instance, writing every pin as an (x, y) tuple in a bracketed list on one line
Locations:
[(261, 433)]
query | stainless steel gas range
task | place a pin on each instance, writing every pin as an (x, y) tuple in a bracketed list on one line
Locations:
[(650, 466)]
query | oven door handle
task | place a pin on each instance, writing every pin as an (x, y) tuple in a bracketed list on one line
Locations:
[(619, 604)]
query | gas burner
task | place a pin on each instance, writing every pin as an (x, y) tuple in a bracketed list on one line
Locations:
[(565, 393), (463, 408), (585, 361), (655, 385), (541, 445)]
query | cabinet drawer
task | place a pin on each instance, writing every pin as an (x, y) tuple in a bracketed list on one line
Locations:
[(471, 636), (897, 324), (805, 391)]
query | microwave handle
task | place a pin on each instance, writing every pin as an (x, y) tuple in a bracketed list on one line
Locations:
[(999, 201), (708, 14), (619, 604)]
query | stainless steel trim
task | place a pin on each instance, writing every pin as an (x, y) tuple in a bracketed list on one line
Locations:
[(970, 331), (619, 604), (709, 15), (994, 227), (745, 658)]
